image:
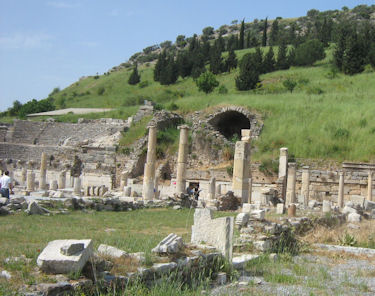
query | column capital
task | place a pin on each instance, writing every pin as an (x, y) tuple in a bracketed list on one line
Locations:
[(183, 126)]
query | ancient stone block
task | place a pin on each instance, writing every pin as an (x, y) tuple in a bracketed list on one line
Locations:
[(51, 260), (111, 251), (280, 209), (354, 217), (242, 219), (169, 245), (216, 232), (326, 206)]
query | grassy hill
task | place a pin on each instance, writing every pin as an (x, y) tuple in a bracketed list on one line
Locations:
[(325, 117)]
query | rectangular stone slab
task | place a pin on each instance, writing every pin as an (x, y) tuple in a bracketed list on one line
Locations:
[(51, 260)]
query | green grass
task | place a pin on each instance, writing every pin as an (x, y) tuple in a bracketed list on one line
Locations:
[(135, 231), (324, 118), (135, 132)]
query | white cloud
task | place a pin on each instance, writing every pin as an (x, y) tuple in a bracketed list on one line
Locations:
[(62, 4), (25, 41)]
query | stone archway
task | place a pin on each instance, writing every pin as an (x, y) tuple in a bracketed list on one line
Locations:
[(230, 124)]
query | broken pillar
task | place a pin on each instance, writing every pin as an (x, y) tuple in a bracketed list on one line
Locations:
[(211, 189), (369, 186), (43, 172), (149, 171), (305, 185), (292, 209), (283, 171), (340, 198), (30, 180), (241, 167), (250, 189), (218, 189), (62, 180), (77, 186), (183, 149), (124, 180), (291, 185), (24, 176)]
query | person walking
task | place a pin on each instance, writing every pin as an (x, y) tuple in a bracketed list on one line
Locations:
[(6, 185)]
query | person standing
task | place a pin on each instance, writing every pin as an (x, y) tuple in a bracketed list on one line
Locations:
[(6, 185)]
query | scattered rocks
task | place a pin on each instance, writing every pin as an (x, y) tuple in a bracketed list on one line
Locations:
[(6, 275), (354, 217), (35, 209)]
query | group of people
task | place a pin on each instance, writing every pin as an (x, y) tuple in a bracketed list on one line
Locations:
[(193, 190), (6, 185)]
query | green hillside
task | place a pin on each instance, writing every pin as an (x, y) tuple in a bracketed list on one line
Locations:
[(328, 115), (324, 117)]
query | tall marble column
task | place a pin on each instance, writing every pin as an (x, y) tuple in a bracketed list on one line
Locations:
[(340, 198), (43, 172), (369, 186), (241, 167), (283, 170), (291, 185), (305, 185), (183, 149), (149, 171)]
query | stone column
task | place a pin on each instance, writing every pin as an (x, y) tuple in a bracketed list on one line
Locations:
[(218, 189), (77, 186), (250, 189), (183, 149), (211, 189), (124, 180), (241, 171), (24, 176), (53, 185), (291, 185), (149, 171), (30, 180), (340, 198), (305, 185), (156, 187), (283, 170), (369, 186), (62, 180), (43, 172)]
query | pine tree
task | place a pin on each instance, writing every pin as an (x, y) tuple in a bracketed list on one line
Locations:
[(325, 31), (264, 38), (249, 76), (169, 74), (207, 82), (248, 40), (241, 40), (231, 61), (274, 36), (232, 43), (206, 50), (221, 43), (134, 77), (282, 61), (338, 54), (269, 61)]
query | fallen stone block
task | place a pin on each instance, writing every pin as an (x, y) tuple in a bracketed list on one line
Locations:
[(242, 219), (263, 245), (258, 214), (3, 201), (163, 268), (354, 217), (34, 209), (71, 249), (52, 260), (171, 244), (358, 200), (247, 208), (348, 210), (240, 261), (61, 288), (111, 251), (326, 206), (312, 203), (280, 209), (369, 205)]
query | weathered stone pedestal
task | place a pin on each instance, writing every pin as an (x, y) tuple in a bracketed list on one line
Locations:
[(62, 180), (30, 181)]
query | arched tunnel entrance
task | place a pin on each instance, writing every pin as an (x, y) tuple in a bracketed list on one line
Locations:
[(230, 123)]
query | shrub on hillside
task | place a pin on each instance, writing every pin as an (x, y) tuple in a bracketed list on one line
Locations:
[(309, 52), (207, 82)]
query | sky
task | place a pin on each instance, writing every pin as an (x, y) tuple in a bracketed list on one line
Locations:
[(52, 43)]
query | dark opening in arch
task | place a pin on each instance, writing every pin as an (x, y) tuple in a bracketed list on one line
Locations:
[(230, 124)]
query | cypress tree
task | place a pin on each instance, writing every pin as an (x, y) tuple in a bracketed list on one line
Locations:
[(184, 63), (258, 60), (353, 58), (249, 76), (264, 38), (274, 35), (241, 40), (282, 61), (134, 77), (269, 61), (232, 43), (231, 61), (216, 61), (160, 65), (169, 75)]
